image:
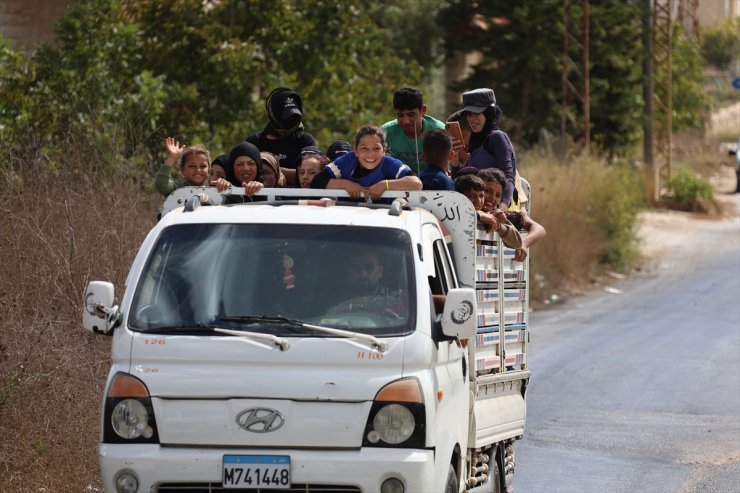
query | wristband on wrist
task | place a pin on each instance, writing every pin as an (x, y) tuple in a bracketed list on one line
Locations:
[(387, 185)]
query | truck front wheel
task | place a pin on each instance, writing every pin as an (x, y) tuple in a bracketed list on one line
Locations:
[(451, 486)]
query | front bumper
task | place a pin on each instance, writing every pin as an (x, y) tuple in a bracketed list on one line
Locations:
[(365, 469)]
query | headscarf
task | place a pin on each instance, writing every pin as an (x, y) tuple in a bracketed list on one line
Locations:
[(493, 117), (269, 159), (221, 160), (243, 149)]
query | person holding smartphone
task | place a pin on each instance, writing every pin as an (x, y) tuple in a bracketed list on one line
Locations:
[(459, 129), (489, 146)]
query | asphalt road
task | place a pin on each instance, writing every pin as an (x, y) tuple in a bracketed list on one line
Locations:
[(640, 391)]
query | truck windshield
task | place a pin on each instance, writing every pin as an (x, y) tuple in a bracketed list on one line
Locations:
[(236, 275)]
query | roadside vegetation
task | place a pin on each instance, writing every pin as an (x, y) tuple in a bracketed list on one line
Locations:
[(82, 125)]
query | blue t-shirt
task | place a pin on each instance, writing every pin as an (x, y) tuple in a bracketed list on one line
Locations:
[(345, 166), (435, 178)]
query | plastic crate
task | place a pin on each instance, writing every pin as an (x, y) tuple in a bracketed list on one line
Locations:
[(488, 263), (487, 351), (489, 306)]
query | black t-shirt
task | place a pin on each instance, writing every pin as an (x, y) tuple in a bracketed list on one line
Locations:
[(286, 150)]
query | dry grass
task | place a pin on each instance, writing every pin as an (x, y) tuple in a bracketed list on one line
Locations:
[(59, 232), (579, 203)]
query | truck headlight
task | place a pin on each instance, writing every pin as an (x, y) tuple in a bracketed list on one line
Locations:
[(130, 420), (397, 417), (394, 423), (128, 415)]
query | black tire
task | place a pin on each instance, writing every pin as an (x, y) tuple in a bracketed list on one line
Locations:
[(451, 486)]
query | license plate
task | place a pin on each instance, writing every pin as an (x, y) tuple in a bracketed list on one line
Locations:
[(256, 471)]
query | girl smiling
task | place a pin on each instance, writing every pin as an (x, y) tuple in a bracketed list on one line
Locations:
[(367, 170)]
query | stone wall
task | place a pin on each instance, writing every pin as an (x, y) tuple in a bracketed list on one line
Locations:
[(24, 23)]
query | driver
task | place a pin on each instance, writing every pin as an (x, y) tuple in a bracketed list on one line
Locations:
[(367, 293), (364, 273)]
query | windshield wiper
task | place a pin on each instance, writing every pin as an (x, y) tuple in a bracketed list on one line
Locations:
[(380, 344), (278, 341), (203, 328)]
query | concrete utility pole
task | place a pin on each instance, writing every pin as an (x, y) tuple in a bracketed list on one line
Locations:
[(663, 92), (575, 74), (647, 89), (688, 17)]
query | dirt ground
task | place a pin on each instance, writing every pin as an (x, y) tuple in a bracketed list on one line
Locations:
[(661, 230)]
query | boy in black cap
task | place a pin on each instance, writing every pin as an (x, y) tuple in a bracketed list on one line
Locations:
[(283, 136), (338, 148)]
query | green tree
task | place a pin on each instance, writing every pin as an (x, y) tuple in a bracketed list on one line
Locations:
[(521, 44), (411, 30), (689, 100), (125, 73), (16, 71), (721, 43), (333, 53), (615, 75)]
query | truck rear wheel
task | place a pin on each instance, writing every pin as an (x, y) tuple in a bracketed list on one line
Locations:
[(451, 485), (496, 480)]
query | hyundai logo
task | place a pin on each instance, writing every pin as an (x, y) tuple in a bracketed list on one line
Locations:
[(260, 420)]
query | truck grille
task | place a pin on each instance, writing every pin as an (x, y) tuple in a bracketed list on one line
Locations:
[(218, 488)]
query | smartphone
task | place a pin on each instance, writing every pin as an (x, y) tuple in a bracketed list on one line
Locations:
[(453, 128)]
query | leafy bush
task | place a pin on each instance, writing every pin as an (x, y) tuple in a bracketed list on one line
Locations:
[(617, 197), (690, 100), (721, 43), (689, 190)]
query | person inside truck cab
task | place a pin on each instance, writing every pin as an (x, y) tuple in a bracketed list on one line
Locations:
[(474, 189), (494, 181), (244, 169), (194, 166), (367, 170), (365, 288)]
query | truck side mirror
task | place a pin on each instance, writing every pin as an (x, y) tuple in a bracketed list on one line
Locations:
[(99, 315), (459, 318)]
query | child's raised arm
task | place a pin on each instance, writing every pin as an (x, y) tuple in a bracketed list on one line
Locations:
[(174, 150)]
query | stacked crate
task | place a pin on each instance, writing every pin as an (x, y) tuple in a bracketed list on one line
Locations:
[(503, 306)]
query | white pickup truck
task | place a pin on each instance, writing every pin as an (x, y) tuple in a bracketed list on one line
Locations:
[(296, 344)]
